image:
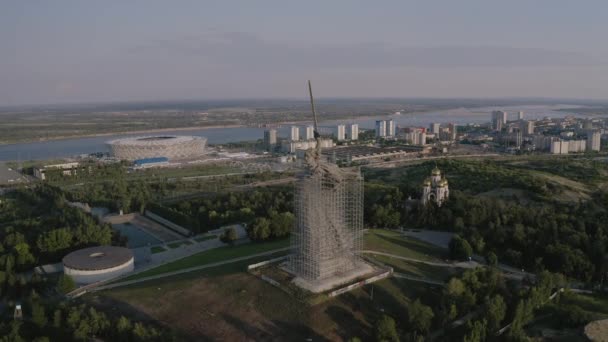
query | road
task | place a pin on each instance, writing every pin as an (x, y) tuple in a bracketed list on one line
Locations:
[(464, 264)]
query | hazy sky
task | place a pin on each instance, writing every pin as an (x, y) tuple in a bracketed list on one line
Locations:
[(81, 51)]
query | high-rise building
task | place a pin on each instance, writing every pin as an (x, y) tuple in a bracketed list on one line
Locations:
[(270, 138), (295, 133), (390, 128), (341, 132), (353, 130), (310, 132), (594, 140), (520, 115), (380, 128), (560, 147), (499, 119), (435, 128), (453, 131), (527, 127)]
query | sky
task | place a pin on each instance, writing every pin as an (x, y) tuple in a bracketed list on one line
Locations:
[(83, 51)]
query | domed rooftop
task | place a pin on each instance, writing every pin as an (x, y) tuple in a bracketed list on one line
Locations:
[(427, 182), (443, 182), (436, 172), (97, 258)]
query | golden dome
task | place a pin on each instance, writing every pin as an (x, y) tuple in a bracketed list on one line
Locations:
[(427, 182), (443, 182), (436, 172)]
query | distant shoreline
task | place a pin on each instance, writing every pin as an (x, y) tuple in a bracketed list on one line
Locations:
[(181, 129)]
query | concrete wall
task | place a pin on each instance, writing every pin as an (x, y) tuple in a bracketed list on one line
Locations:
[(88, 277)]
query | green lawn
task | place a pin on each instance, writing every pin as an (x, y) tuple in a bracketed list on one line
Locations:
[(179, 243), (416, 269), (211, 256), (393, 242), (205, 238), (157, 249)]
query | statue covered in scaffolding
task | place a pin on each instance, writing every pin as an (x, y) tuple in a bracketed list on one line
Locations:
[(329, 220)]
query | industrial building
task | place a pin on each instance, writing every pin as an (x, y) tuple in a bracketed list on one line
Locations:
[(290, 146), (169, 146), (66, 169), (94, 264)]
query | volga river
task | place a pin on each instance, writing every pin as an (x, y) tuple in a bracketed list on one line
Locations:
[(73, 147)]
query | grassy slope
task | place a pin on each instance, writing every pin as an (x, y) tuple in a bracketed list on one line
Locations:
[(227, 303), (212, 256), (393, 242)]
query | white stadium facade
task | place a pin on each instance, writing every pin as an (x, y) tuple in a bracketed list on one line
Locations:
[(169, 146), (93, 264)]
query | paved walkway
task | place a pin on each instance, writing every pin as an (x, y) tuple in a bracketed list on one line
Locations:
[(186, 270), (418, 279)]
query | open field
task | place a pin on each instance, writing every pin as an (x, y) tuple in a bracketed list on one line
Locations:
[(393, 242), (211, 256), (226, 303)]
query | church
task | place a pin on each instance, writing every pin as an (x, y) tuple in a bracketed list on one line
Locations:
[(435, 189)]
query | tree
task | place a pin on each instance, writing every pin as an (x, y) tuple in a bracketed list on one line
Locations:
[(492, 259), (123, 327), (386, 330), (57, 319), (496, 310), (460, 249), (38, 315), (420, 316), (229, 236), (477, 333), (260, 229), (65, 284), (281, 224)]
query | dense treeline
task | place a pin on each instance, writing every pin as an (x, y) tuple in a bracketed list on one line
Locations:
[(49, 322), (267, 211), (485, 300), (559, 237), (538, 234), (38, 227)]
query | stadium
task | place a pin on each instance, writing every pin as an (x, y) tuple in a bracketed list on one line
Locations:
[(169, 146), (93, 264)]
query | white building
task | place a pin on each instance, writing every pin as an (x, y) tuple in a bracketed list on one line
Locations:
[(594, 141), (341, 132), (390, 128), (435, 189), (295, 133), (453, 130), (520, 115), (435, 127), (270, 138), (293, 146), (577, 146), (380, 128), (310, 132), (353, 129), (560, 147), (527, 127)]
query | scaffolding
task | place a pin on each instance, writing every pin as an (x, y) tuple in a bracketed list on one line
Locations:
[(329, 219)]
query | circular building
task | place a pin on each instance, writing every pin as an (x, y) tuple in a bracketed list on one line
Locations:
[(93, 264), (169, 146)]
